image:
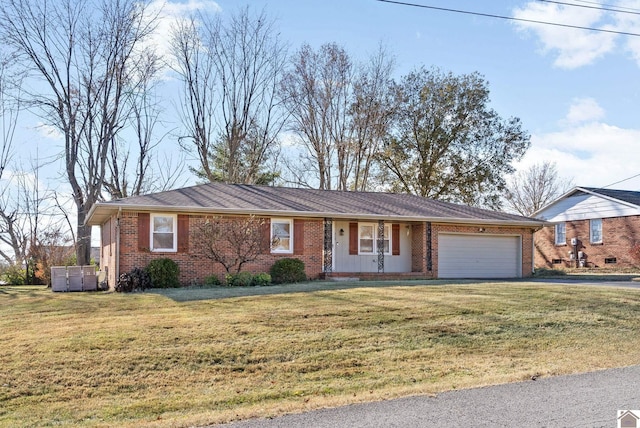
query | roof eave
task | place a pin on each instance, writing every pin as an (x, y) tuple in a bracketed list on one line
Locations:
[(585, 190)]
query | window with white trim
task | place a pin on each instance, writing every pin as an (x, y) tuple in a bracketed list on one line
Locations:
[(368, 238), (164, 236), (281, 235), (561, 234), (595, 231)]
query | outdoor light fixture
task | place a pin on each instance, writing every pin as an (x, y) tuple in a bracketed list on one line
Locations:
[(341, 232)]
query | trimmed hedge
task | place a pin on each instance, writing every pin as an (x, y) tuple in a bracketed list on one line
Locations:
[(286, 271), (164, 273), (246, 279)]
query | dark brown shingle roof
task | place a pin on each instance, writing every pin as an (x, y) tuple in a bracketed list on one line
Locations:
[(239, 198), (629, 196)]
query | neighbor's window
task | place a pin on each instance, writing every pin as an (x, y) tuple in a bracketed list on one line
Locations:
[(596, 230), (561, 234), (368, 238), (281, 236), (163, 232)]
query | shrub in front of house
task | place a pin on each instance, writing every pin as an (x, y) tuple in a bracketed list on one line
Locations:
[(212, 281), (164, 273), (286, 271), (240, 279), (136, 280), (246, 279), (261, 280)]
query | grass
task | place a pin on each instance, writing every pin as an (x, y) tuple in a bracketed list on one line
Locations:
[(195, 357)]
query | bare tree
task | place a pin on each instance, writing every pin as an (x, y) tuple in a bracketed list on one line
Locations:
[(195, 67), (142, 111), (371, 113), (231, 72), (10, 84), (20, 211), (317, 93), (51, 247), (532, 189), (233, 242), (11, 232), (85, 55)]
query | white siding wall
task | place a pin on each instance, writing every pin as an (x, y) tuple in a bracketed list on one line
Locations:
[(584, 207), (344, 262)]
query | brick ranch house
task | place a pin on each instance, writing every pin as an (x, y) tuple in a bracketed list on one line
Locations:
[(335, 233), (589, 227)]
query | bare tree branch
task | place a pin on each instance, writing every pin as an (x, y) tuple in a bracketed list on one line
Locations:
[(86, 55), (230, 71), (532, 189)]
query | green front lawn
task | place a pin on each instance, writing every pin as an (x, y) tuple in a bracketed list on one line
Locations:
[(194, 357)]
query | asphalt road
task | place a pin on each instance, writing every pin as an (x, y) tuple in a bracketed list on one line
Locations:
[(584, 400)]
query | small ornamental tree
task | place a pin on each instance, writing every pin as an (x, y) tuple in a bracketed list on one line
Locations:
[(233, 241)]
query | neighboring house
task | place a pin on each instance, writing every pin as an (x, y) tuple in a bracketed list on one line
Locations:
[(590, 228), (335, 233)]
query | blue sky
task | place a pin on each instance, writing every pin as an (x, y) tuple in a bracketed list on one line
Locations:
[(577, 92)]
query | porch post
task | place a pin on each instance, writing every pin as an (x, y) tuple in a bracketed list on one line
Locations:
[(380, 246), (327, 262)]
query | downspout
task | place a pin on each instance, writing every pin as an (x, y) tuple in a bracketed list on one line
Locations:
[(117, 267)]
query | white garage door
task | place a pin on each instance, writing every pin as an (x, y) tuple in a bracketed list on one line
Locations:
[(478, 256)]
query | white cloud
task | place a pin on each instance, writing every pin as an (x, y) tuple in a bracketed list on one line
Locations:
[(48, 131), (630, 22), (168, 14), (584, 110), (588, 151), (572, 47)]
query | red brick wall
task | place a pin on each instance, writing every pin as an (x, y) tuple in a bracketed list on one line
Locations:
[(195, 266), (618, 236), (419, 248), (108, 249), (526, 235)]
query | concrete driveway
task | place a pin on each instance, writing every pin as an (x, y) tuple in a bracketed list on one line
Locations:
[(596, 282), (584, 400)]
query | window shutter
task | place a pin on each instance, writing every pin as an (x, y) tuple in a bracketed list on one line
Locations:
[(144, 228), (298, 237), (183, 233), (395, 239), (266, 235), (353, 238)]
